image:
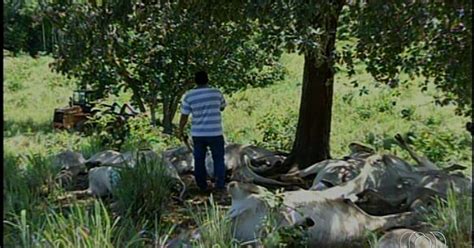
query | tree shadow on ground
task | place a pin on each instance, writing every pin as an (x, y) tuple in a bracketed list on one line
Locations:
[(12, 128)]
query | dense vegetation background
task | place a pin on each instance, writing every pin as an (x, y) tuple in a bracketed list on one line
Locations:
[(264, 116), (264, 111)]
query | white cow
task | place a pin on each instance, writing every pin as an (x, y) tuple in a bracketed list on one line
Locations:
[(103, 179)]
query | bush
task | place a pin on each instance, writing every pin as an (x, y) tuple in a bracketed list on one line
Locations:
[(26, 189), (109, 129), (142, 135), (16, 193)]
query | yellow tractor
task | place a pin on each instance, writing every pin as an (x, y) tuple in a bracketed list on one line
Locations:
[(77, 113), (81, 109)]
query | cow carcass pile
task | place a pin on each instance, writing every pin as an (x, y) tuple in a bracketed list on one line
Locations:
[(336, 200)]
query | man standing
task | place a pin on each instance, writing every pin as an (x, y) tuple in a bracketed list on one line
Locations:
[(205, 104)]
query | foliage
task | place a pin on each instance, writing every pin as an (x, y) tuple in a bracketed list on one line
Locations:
[(80, 227), (144, 200), (24, 28), (278, 129), (28, 186), (144, 136), (432, 39), (25, 184), (17, 194), (441, 146), (110, 128)]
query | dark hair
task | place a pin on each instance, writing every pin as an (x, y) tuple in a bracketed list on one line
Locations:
[(201, 78)]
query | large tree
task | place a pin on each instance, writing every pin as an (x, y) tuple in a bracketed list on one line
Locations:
[(154, 49), (419, 37)]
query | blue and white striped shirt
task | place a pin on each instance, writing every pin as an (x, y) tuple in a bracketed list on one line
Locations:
[(205, 105)]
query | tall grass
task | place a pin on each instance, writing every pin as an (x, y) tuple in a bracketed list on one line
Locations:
[(79, 226), (143, 190), (29, 184), (453, 218), (214, 226), (16, 193)]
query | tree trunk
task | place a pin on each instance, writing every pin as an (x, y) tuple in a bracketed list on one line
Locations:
[(153, 114), (170, 105), (138, 99), (311, 143)]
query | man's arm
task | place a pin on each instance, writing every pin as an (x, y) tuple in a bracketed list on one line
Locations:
[(182, 123), (185, 111), (223, 102)]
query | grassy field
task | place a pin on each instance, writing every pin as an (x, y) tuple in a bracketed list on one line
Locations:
[(265, 116)]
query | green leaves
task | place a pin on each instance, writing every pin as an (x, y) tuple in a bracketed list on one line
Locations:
[(431, 39)]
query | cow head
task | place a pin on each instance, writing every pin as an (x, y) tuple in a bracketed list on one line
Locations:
[(248, 209), (335, 174)]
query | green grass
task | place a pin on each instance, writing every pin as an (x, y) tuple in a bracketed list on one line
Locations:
[(452, 217), (32, 92), (147, 198), (214, 226)]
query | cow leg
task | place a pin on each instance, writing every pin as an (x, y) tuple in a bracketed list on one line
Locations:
[(422, 161)]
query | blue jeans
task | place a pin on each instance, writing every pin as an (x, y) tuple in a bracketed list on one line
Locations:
[(216, 144)]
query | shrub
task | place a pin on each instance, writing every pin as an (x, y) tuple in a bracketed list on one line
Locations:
[(408, 113), (111, 131), (364, 112), (380, 142), (142, 135), (23, 187), (25, 190)]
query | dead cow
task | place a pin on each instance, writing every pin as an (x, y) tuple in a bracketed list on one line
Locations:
[(70, 165), (238, 160), (103, 179), (105, 158), (331, 221)]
